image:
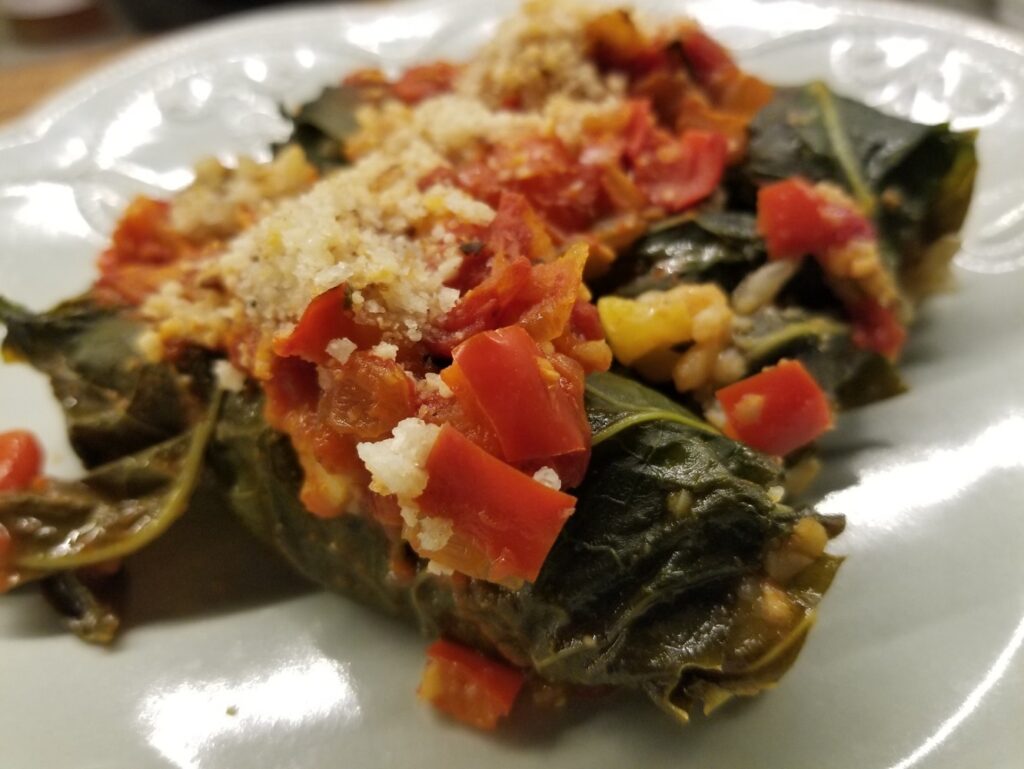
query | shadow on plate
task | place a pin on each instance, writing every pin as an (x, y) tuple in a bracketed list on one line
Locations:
[(206, 564)]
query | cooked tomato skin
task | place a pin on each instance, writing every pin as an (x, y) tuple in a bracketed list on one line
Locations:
[(468, 686), (144, 253), (326, 318), (878, 328), (510, 518), (776, 410), (674, 172), (365, 397), (21, 460), (423, 81)]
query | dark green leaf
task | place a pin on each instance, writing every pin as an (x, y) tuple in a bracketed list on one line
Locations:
[(916, 180), (258, 468), (321, 126), (115, 403), (115, 510), (87, 613), (642, 589), (850, 375), (719, 247)]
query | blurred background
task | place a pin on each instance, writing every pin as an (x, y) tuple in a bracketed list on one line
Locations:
[(46, 43)]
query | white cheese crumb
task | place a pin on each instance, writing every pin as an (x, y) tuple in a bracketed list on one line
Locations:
[(433, 567), (434, 533), (548, 477), (341, 349), (432, 384), (776, 493), (385, 350), (396, 464), (228, 377)]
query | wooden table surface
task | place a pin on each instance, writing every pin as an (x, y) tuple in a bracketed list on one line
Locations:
[(24, 86)]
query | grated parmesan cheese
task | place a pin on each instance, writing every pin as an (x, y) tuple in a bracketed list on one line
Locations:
[(547, 476), (385, 350), (228, 377), (341, 349)]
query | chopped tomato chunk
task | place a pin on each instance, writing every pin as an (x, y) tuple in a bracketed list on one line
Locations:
[(469, 686), (144, 252), (673, 172), (777, 410), (21, 459), (364, 397), (326, 318), (534, 414), (426, 80), (512, 519), (877, 328), (710, 63), (797, 220)]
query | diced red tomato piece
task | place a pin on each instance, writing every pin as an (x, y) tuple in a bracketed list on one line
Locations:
[(422, 82), (512, 519), (796, 220), (326, 318), (5, 551), (468, 686), (364, 397), (615, 42), (777, 410), (517, 230), (291, 389), (21, 460), (539, 297), (486, 305), (709, 61), (682, 172), (144, 252), (673, 172), (568, 194), (878, 328), (521, 395)]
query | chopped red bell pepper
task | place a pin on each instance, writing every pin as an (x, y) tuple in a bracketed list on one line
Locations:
[(326, 318), (877, 328), (797, 220), (21, 460), (512, 519), (534, 415), (777, 410), (469, 686)]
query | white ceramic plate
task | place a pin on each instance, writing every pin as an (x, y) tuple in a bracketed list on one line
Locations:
[(229, 661)]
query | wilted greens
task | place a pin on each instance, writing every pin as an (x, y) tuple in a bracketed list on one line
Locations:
[(657, 583), (916, 180), (321, 126), (652, 585)]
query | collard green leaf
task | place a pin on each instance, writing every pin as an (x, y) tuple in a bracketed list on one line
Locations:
[(652, 584), (850, 375), (717, 246), (916, 180), (115, 510), (321, 126), (643, 589), (85, 605), (115, 403), (258, 468), (615, 403)]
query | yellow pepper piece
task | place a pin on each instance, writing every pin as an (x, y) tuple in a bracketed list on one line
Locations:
[(653, 321)]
